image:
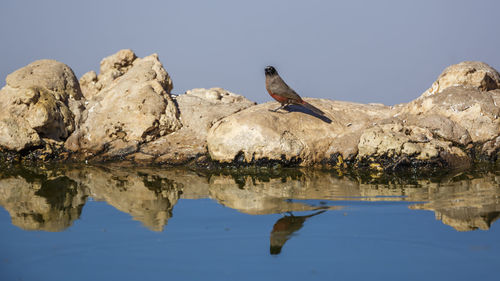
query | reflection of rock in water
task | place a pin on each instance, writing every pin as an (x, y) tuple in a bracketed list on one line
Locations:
[(465, 204), (40, 201), (467, 219), (147, 195), (284, 228), (247, 200), (51, 199)]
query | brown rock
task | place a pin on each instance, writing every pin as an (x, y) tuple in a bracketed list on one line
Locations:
[(471, 109), (295, 136), (441, 127), (16, 134), (89, 85), (134, 108), (472, 74), (407, 145), (44, 97)]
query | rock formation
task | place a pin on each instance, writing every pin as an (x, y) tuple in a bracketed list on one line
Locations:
[(129, 104), (41, 102), (450, 123), (128, 113), (256, 134)]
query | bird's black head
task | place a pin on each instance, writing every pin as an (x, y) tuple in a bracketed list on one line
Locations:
[(270, 70)]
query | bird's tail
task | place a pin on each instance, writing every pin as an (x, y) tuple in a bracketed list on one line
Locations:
[(312, 108)]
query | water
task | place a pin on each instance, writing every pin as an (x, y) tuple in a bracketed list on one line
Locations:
[(118, 223)]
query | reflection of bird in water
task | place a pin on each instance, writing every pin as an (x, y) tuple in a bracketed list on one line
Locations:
[(284, 228)]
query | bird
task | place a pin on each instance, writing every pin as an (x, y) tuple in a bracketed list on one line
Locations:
[(282, 93), (284, 228)]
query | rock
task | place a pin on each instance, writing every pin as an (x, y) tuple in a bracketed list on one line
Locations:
[(393, 146), (441, 128), (43, 97), (475, 111), (130, 115), (491, 149), (118, 64), (134, 108), (473, 74), (89, 85), (256, 134), (16, 134), (199, 109), (111, 68)]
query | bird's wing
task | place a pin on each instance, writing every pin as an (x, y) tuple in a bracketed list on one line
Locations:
[(279, 87)]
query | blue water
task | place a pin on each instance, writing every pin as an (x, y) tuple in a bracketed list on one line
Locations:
[(204, 240)]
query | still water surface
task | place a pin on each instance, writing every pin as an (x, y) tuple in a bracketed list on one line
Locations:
[(117, 223)]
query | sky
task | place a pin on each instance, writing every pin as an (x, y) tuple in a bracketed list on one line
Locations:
[(361, 51)]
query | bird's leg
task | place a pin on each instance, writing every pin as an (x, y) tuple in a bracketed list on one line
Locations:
[(281, 106)]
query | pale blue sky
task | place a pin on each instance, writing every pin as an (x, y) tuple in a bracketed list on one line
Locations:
[(363, 51)]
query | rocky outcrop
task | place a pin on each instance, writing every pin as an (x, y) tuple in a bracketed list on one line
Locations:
[(257, 135), (131, 114), (133, 106), (450, 124), (41, 102), (128, 113)]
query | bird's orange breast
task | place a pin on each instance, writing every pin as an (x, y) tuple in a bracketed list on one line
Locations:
[(278, 98)]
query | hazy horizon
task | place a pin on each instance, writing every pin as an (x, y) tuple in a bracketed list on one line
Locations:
[(362, 51)]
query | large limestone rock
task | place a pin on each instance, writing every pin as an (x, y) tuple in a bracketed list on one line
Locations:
[(132, 105), (298, 136), (16, 134), (199, 109), (441, 126), (40, 101), (473, 74), (397, 145), (461, 109), (471, 111)]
